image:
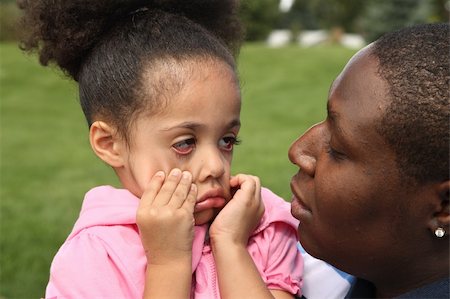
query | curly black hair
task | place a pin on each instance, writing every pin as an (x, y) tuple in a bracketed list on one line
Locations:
[(414, 61), (107, 45)]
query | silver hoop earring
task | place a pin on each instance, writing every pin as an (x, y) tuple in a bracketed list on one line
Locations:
[(439, 232)]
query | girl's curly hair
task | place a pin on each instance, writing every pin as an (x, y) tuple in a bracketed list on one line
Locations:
[(104, 45), (65, 31)]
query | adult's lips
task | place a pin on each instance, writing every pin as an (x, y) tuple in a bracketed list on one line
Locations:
[(298, 206)]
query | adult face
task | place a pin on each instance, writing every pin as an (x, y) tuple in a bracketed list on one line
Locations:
[(354, 210)]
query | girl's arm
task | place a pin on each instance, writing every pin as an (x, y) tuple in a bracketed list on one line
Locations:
[(165, 218), (229, 233), (238, 276)]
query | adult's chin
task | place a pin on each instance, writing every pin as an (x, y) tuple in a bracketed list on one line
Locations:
[(300, 211)]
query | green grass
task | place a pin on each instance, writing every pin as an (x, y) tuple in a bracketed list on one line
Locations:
[(47, 164)]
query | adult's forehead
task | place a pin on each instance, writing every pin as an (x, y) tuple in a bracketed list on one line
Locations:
[(354, 60), (358, 96), (360, 80)]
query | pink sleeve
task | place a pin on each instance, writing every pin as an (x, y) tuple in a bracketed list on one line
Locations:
[(277, 258), (83, 268)]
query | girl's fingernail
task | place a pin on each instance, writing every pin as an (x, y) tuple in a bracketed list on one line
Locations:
[(175, 172), (159, 174)]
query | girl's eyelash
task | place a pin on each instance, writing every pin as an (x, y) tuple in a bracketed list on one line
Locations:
[(189, 143), (181, 156), (227, 143), (235, 140)]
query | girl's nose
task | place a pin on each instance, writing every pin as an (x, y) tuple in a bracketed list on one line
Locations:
[(212, 164), (305, 150)]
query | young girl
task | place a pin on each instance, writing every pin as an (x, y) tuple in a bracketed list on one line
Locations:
[(158, 86)]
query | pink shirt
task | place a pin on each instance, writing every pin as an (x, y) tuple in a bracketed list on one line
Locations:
[(103, 255)]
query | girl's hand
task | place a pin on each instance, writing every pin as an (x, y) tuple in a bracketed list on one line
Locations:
[(242, 214), (165, 218)]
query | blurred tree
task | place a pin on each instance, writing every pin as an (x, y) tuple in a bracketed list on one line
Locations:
[(300, 16), (259, 17), (387, 15), (440, 11), (338, 13), (9, 14), (371, 18), (325, 14)]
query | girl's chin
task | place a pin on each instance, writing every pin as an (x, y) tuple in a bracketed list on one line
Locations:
[(205, 217)]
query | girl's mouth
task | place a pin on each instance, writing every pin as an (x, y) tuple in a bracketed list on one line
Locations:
[(210, 203), (211, 199)]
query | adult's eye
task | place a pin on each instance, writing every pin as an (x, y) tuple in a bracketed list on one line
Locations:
[(184, 147), (336, 155)]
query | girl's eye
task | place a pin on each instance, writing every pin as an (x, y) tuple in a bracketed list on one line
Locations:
[(184, 147), (227, 143)]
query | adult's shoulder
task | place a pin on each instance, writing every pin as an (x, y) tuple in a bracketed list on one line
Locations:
[(437, 289)]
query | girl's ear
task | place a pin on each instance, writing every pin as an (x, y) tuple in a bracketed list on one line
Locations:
[(107, 144)]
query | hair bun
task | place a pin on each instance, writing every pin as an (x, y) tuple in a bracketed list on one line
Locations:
[(64, 31)]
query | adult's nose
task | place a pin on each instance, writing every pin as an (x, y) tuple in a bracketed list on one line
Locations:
[(305, 150)]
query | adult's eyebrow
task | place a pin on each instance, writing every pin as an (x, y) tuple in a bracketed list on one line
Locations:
[(331, 114), (334, 118)]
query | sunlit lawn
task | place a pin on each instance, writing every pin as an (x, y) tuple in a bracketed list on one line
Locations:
[(47, 164)]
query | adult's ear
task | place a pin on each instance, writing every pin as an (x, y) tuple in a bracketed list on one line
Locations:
[(440, 223), (107, 144)]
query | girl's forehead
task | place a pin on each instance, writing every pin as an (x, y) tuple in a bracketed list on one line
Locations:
[(172, 85), (165, 78), (187, 68)]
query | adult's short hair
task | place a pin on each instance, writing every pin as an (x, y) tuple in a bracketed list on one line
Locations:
[(414, 62)]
